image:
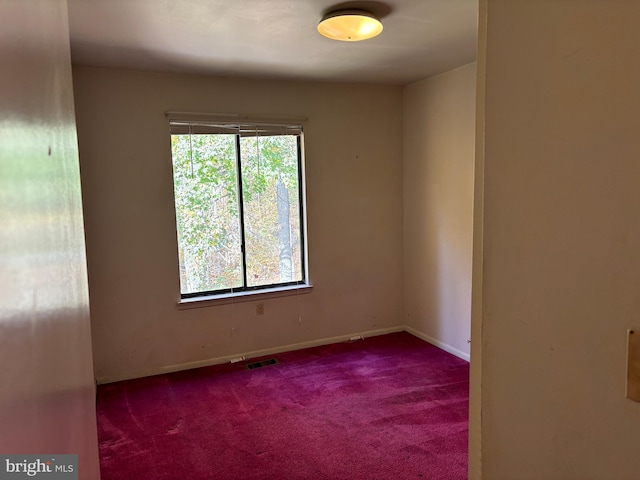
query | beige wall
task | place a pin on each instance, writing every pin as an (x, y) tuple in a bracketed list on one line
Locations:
[(438, 126), (47, 397), (475, 368), (561, 239), (354, 194)]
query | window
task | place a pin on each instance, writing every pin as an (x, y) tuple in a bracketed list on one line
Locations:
[(239, 206)]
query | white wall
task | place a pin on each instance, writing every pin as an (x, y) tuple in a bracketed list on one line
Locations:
[(561, 239), (439, 136), (354, 190), (47, 398)]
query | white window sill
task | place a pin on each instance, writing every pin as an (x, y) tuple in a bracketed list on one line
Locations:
[(227, 298)]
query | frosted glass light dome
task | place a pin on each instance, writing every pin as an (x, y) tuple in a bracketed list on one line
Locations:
[(350, 25)]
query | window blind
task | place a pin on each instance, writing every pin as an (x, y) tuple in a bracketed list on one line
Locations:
[(179, 127)]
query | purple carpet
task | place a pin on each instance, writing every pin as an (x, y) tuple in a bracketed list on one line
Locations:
[(388, 407)]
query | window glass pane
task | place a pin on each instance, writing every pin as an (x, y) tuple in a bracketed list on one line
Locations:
[(205, 187), (271, 209)]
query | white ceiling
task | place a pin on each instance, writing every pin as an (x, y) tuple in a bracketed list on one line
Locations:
[(273, 38)]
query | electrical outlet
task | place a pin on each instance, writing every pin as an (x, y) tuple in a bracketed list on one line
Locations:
[(260, 308)]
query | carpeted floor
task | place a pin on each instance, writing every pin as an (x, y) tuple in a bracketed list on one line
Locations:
[(388, 407)]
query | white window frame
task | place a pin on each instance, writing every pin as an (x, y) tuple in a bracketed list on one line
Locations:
[(247, 293)]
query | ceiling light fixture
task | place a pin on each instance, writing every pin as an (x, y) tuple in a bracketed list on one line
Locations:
[(349, 25)]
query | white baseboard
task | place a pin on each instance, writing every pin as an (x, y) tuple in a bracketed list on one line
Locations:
[(253, 354), (438, 343), (284, 348)]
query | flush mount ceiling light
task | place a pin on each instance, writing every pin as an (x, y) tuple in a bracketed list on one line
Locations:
[(349, 25)]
